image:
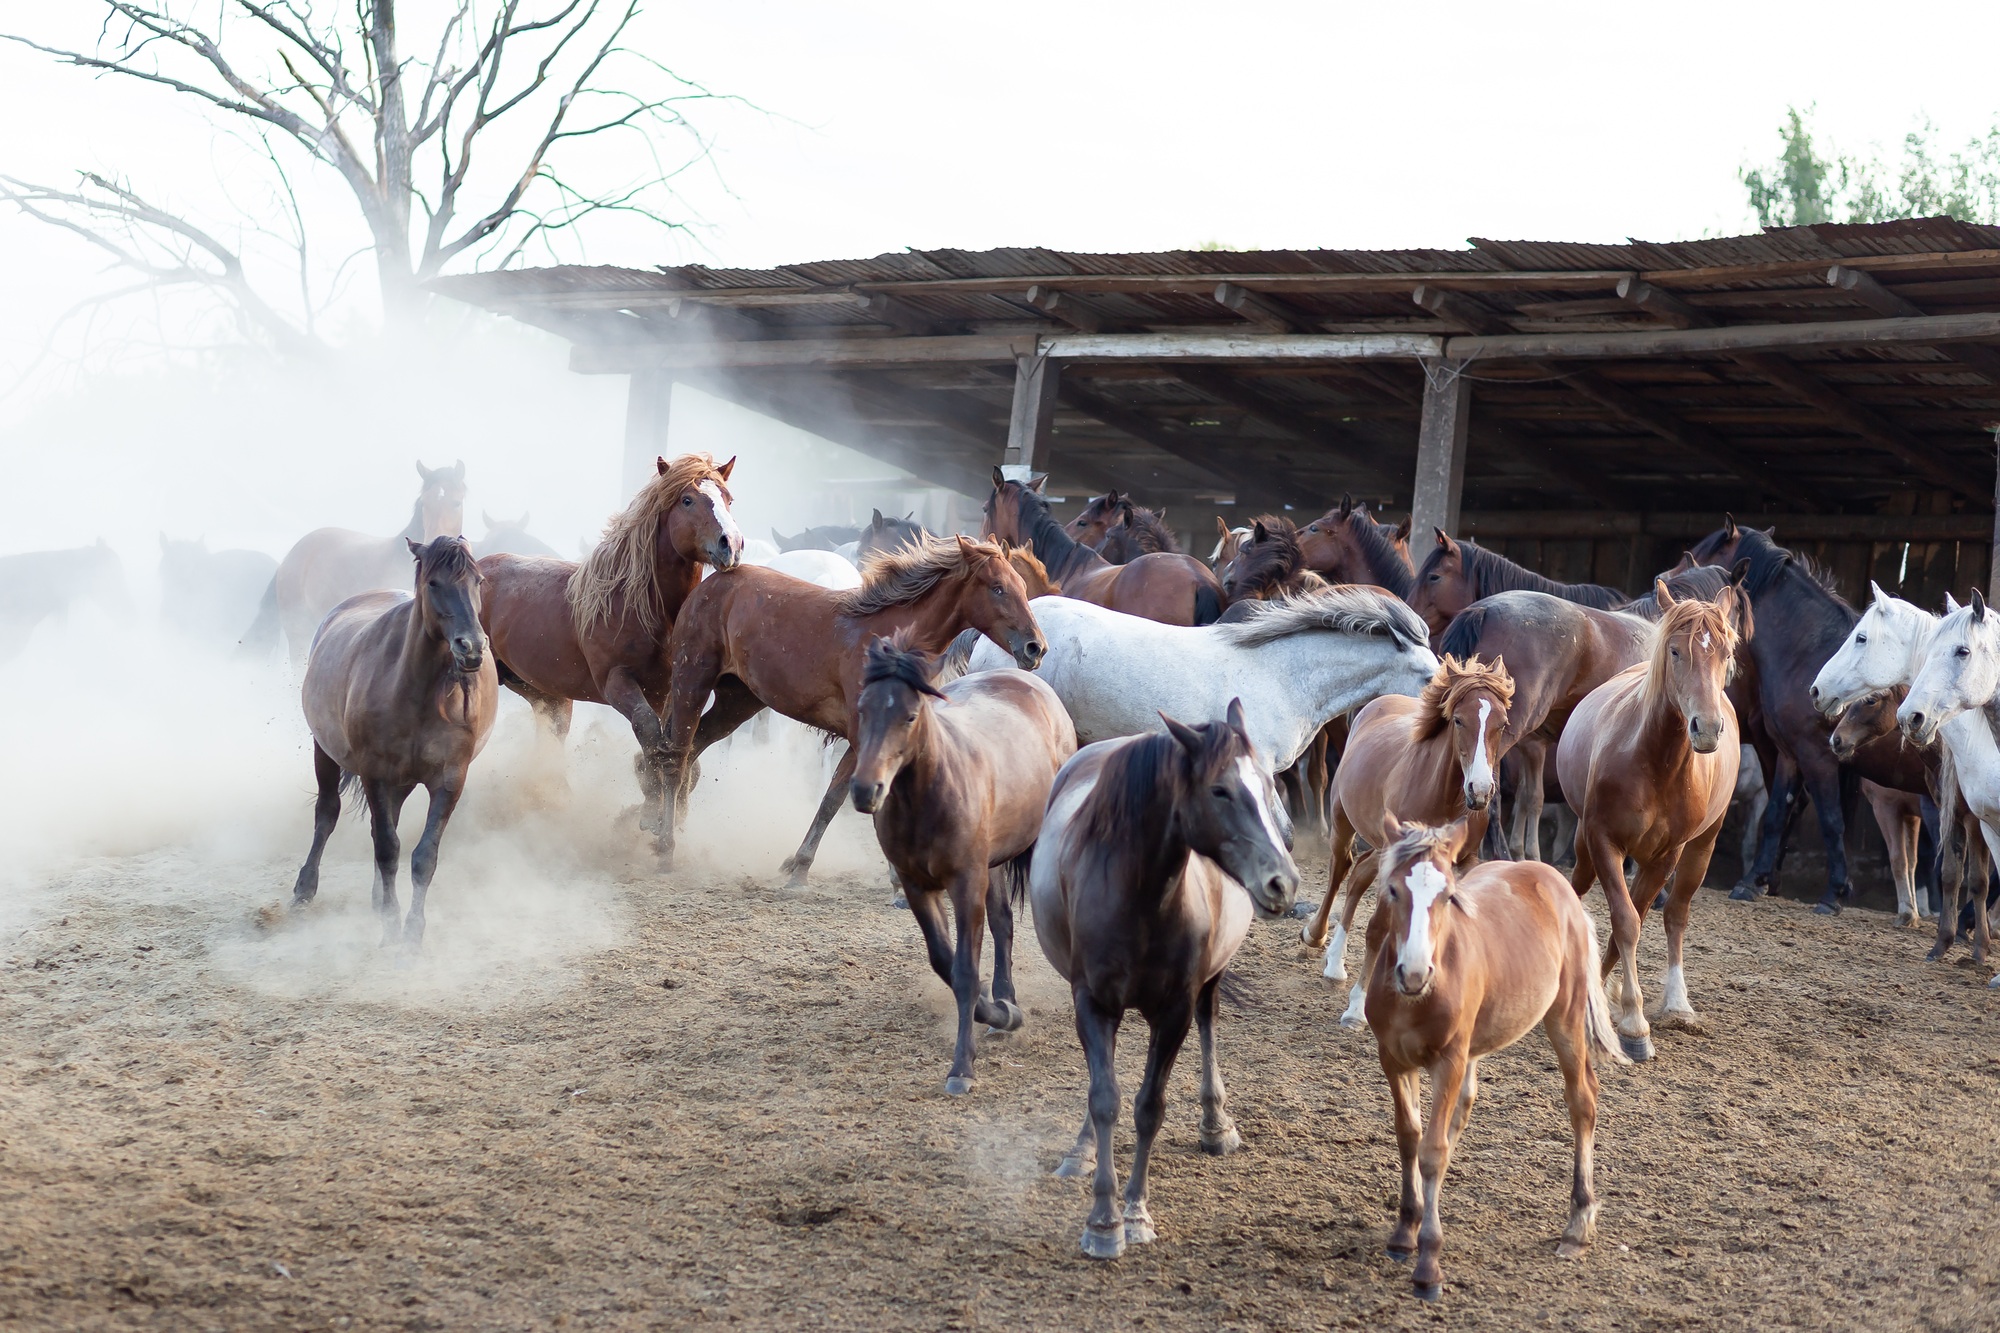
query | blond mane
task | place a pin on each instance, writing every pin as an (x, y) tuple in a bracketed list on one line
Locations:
[(625, 565), (1453, 681), (899, 577), (1688, 616), (1033, 572)]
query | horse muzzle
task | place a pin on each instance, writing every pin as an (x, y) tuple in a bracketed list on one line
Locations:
[(867, 796), (467, 654), (1477, 798), (725, 554), (1414, 985), (1704, 739), (1919, 726), (1028, 652)]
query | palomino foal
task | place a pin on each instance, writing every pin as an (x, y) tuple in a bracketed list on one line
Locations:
[(957, 779), (1463, 967), (1648, 762), (1152, 854)]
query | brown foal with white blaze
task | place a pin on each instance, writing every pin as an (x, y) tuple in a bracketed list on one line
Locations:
[(1648, 762), (1463, 967), (956, 779), (1428, 759)]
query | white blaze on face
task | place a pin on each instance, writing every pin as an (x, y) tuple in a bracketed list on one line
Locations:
[(1704, 639), (730, 532), (1425, 882), (1479, 775), (1253, 781)]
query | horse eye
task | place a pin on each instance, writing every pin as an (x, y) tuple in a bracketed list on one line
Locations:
[(1458, 722), (1219, 793), (687, 499), (1963, 652), (1861, 638), (999, 591), (1436, 577)]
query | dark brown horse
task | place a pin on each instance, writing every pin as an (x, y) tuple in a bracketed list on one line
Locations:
[(1156, 852), (1347, 545), (1464, 965), (1121, 530), (755, 638), (1172, 589), (1269, 564), (1896, 774), (599, 631), (957, 779), (329, 565), (1455, 574), (400, 692)]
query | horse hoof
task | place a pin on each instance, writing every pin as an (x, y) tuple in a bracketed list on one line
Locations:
[(796, 880), (1745, 893), (1104, 1244), (1637, 1049), (1904, 920), (1402, 1254), (1936, 955), (1659, 900), (1011, 1016), (1072, 1167), (958, 1085), (900, 904), (1826, 907), (1335, 971), (1427, 1291), (1572, 1249), (1229, 1140), (1354, 1022), (1993, 982), (1139, 1231), (1304, 911)]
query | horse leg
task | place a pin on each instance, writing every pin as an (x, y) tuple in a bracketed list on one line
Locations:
[(1676, 1010), (1218, 1131), (326, 813), (968, 909), (1355, 1016), (423, 861), (1534, 764), (1409, 1129), (1340, 855), (1568, 1026), (1448, 1076), (1762, 876), (1104, 1233), (1900, 832), (1822, 781), (1149, 1108), (1359, 877), (1981, 942), (1953, 853), (1565, 834), (1318, 778), (1000, 917), (1623, 950), (385, 807), (798, 865)]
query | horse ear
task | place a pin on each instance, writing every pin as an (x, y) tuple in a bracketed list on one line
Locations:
[(1729, 529), (1499, 665), (1875, 591), (1222, 527), (1403, 532), (966, 549), (1950, 604), (487, 519), (1189, 738), (727, 468), (424, 472), (1258, 533), (999, 478), (1037, 483), (458, 470), (1346, 504), (660, 462), (1445, 543), (1234, 716), (1978, 606), (1663, 598), (416, 548), (875, 523), (1739, 572)]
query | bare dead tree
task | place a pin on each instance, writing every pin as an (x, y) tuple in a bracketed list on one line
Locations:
[(451, 153)]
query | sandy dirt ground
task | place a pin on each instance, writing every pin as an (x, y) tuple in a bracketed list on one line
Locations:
[(607, 1099)]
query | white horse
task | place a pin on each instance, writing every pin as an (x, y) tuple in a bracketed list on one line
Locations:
[(828, 569), (1951, 701), (1296, 664), (1883, 650)]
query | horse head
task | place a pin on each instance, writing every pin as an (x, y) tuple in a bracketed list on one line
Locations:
[(692, 504), (1961, 671), (1883, 649), (1010, 511), (1445, 585), (447, 595), (441, 502), (1472, 698), (896, 684), (1868, 718), (1419, 894), (1692, 661), (993, 600), (1225, 809), (1094, 522)]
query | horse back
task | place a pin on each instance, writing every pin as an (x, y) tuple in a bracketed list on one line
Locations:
[(1161, 585), (1381, 773), (999, 739), (1527, 928)]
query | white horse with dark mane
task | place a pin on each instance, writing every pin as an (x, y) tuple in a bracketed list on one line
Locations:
[(1296, 664)]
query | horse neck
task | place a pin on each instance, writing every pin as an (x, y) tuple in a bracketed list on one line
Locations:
[(675, 576), (414, 529), (1390, 568), (933, 620), (1329, 683), (1061, 554), (423, 651), (1793, 629), (1147, 864)]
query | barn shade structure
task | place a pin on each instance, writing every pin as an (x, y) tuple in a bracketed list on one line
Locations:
[(1588, 409)]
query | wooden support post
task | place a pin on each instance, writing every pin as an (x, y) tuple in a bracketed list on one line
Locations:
[(649, 406), (1032, 420), (1993, 561), (1441, 438)]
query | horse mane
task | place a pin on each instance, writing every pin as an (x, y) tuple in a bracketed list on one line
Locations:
[(1056, 549), (1416, 840), (1032, 571), (1453, 681), (1144, 529), (894, 659), (1341, 609), (1768, 561), (1133, 780), (623, 563), (1378, 548), (1265, 566), (1689, 617), (897, 578), (1702, 583), (449, 556), (1490, 572)]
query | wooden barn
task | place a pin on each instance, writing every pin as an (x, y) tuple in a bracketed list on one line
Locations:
[(1586, 409)]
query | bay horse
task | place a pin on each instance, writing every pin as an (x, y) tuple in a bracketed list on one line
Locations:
[(755, 638), (1455, 574), (1295, 664), (1156, 852), (957, 779), (1347, 545), (1464, 965), (1171, 588), (399, 692), (1648, 762), (598, 631), (1428, 759), (826, 537), (1268, 564), (1802, 622), (1121, 530), (329, 565), (1896, 776)]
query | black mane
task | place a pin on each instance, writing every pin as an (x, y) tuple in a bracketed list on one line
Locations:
[(1060, 553), (1768, 562), (1378, 549), (1263, 566), (1490, 572), (890, 660)]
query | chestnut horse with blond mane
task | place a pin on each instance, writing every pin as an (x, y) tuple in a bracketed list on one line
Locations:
[(1648, 762), (598, 631), (1429, 759), (755, 638)]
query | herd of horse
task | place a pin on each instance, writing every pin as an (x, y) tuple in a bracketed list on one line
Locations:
[(1085, 719)]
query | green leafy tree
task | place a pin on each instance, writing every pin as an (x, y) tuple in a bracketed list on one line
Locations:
[(1810, 183)]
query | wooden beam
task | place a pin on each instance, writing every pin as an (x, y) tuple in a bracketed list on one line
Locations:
[(898, 314), (1036, 380), (1661, 304), (1460, 309), (1238, 474), (1919, 456), (1931, 330), (1267, 313), (1681, 526), (1695, 439), (1867, 288), (1071, 309), (1441, 437), (1357, 453)]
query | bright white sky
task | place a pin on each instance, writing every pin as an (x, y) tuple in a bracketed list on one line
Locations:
[(1134, 126)]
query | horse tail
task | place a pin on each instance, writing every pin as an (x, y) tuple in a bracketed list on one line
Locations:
[(1207, 604), (1603, 1037), (1461, 636), (957, 659), (351, 791), (262, 636), (1014, 874)]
